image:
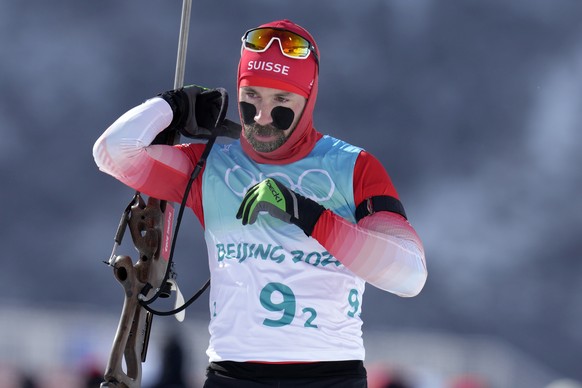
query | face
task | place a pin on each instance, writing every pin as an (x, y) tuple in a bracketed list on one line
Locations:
[(261, 134)]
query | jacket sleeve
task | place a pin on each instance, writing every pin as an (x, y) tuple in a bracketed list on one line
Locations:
[(382, 248), (124, 151)]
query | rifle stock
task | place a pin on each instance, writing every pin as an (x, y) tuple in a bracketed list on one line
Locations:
[(146, 224)]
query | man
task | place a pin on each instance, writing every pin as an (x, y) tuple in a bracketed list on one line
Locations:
[(295, 222)]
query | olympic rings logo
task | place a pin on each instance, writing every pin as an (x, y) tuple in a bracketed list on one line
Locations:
[(239, 180)]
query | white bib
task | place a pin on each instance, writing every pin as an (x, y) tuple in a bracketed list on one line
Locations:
[(276, 294)]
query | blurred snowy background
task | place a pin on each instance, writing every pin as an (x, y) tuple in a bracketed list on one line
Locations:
[(473, 106)]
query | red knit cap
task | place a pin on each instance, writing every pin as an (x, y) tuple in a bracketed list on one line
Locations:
[(274, 70)]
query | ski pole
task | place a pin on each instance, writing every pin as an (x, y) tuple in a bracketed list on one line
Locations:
[(183, 44)]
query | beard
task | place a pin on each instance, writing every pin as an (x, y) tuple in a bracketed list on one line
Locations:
[(250, 130)]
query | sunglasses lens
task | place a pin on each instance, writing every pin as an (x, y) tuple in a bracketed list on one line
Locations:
[(292, 44), (257, 39)]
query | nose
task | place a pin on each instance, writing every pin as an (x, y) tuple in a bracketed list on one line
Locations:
[(263, 115)]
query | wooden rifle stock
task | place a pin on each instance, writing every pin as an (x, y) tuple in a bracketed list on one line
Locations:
[(146, 224)]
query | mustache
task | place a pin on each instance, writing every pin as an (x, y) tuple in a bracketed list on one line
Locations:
[(262, 130)]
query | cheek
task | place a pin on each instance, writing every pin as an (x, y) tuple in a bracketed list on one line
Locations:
[(298, 114), (298, 110), (248, 112)]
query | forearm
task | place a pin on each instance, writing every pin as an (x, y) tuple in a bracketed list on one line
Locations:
[(383, 249), (124, 149)]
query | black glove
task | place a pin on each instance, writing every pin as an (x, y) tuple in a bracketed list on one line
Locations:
[(198, 111), (272, 196)]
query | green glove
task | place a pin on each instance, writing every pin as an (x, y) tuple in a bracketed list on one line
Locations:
[(280, 202)]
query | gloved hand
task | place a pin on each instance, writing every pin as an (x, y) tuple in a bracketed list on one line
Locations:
[(272, 196), (198, 111)]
